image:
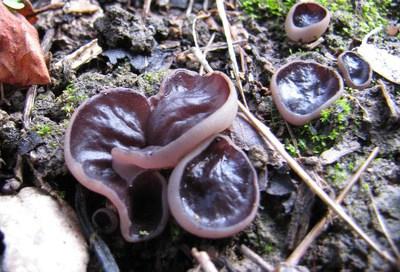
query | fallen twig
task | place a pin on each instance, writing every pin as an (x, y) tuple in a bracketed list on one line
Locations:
[(300, 250), (228, 36), (382, 224), (277, 145), (394, 111), (146, 7), (204, 260), (189, 8), (256, 258), (201, 71), (32, 91)]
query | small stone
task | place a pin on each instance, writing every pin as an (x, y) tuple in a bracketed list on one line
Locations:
[(40, 234)]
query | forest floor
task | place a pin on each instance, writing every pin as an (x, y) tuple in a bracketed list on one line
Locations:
[(137, 51)]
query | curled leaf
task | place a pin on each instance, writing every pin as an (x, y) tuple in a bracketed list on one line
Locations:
[(21, 57)]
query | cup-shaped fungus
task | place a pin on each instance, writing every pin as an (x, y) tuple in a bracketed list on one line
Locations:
[(117, 118), (356, 71), (306, 22), (301, 89), (188, 109), (213, 191)]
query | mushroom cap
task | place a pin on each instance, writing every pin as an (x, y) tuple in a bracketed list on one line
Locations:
[(188, 109), (356, 71), (116, 117), (213, 192), (306, 22), (301, 89)]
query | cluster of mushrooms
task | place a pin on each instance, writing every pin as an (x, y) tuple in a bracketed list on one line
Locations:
[(118, 140), (302, 89)]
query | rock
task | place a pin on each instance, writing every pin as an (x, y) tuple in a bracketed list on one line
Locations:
[(40, 234), (121, 29)]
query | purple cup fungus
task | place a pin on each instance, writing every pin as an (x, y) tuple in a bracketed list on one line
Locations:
[(213, 191), (301, 89), (356, 71), (117, 118), (105, 220), (188, 109), (306, 22), (115, 137)]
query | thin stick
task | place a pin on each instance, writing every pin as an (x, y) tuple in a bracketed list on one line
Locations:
[(218, 46), (228, 36), (49, 7), (29, 102), (32, 91), (270, 137), (146, 7), (392, 106), (301, 249), (277, 145), (382, 224), (201, 71), (189, 8), (204, 260), (2, 91), (256, 258)]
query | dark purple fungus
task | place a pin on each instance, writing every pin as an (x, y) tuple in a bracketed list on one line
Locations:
[(105, 220), (301, 89), (306, 22), (116, 118), (213, 191), (188, 109), (356, 71)]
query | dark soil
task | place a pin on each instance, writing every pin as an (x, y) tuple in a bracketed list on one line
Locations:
[(137, 53)]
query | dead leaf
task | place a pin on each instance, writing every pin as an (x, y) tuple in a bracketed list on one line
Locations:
[(381, 61), (21, 57)]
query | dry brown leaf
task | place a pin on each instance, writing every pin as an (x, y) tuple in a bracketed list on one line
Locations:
[(21, 57)]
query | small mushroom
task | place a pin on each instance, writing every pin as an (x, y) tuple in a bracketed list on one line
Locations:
[(301, 89), (105, 220), (117, 118), (356, 71), (188, 109), (213, 191), (306, 22)]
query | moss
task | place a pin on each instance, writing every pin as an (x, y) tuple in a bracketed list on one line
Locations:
[(70, 99), (320, 135), (266, 8), (337, 174), (43, 129), (150, 82), (349, 19)]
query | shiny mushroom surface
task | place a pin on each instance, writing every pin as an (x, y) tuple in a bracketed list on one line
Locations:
[(306, 22), (301, 89), (115, 117), (188, 109), (356, 71), (213, 191)]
